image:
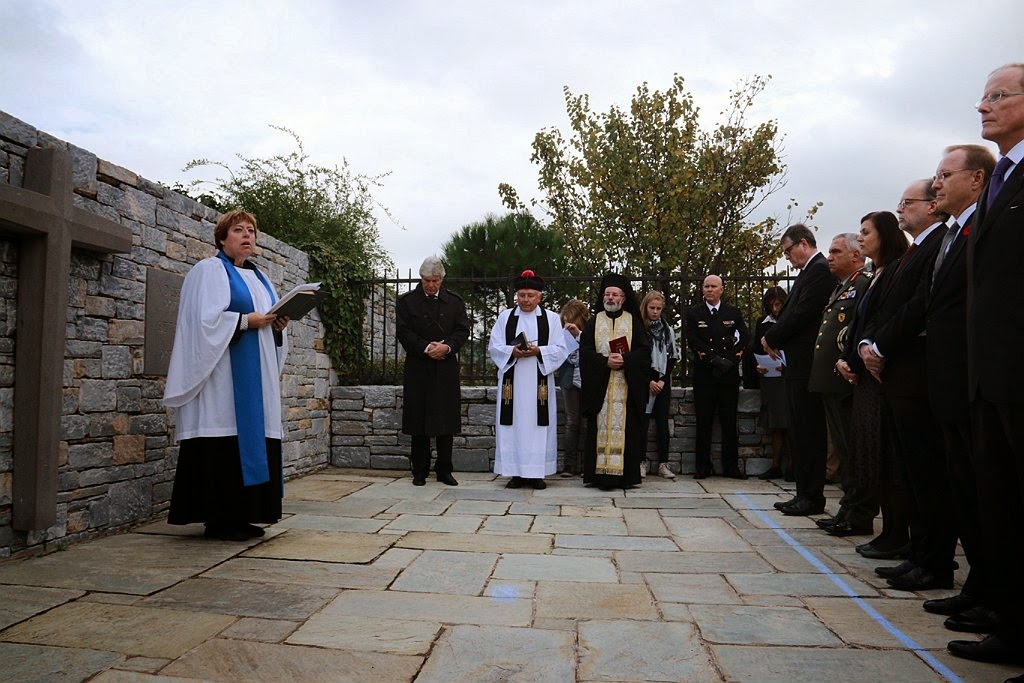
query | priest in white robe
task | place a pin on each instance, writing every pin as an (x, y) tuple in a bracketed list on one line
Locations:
[(223, 384), (528, 346)]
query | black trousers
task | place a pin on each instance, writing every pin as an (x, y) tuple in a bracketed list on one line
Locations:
[(721, 400), (419, 460), (997, 431), (808, 440), (956, 439), (922, 466), (659, 414)]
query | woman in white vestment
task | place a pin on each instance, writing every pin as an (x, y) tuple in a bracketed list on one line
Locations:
[(224, 386), (528, 346)]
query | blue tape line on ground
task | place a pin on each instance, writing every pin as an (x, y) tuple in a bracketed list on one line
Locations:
[(902, 637)]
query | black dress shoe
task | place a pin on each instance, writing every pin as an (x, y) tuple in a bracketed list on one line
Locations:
[(921, 579), (992, 649), (977, 619), (803, 508), (419, 481), (771, 473), (843, 529), (904, 567), (515, 483), (447, 479), (954, 604), (226, 532), (538, 484), (872, 553), (253, 531), (1015, 679), (734, 473), (778, 505), (827, 522)]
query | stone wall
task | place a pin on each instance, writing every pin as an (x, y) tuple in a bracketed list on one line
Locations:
[(366, 426), (117, 456)]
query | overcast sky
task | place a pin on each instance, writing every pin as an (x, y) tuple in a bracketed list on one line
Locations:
[(447, 96)]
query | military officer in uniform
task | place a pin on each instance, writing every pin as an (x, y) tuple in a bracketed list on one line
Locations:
[(857, 508), (717, 334)]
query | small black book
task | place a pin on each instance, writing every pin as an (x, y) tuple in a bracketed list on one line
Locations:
[(300, 301), (521, 341)]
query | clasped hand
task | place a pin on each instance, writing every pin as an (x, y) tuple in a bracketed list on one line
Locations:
[(258, 320), (530, 350)]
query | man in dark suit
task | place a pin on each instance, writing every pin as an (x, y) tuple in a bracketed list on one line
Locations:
[(432, 326), (717, 334), (858, 508), (995, 375), (794, 334), (895, 351)]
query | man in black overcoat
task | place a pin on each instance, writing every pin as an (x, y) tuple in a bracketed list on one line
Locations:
[(432, 327), (717, 334), (795, 334), (995, 375)]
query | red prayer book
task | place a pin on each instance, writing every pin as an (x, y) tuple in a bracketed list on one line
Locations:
[(618, 345)]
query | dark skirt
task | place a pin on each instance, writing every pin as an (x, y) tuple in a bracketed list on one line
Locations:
[(867, 437), (208, 484), (774, 402)]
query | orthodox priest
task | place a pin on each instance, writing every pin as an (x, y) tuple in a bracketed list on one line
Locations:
[(615, 366), (528, 346), (224, 385)]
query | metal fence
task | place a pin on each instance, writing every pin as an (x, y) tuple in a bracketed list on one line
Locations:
[(486, 297)]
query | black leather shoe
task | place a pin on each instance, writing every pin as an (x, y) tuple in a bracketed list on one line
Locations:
[(803, 508), (843, 529), (827, 522), (771, 473), (419, 481), (538, 484), (872, 553), (904, 567), (954, 604), (977, 619), (921, 579), (447, 479), (225, 532), (254, 531), (992, 649), (1015, 679), (734, 473), (515, 483), (778, 505)]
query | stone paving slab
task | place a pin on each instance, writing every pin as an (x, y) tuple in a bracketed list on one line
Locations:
[(691, 563), (507, 524), (643, 651), (579, 525), (487, 543), (134, 630), (786, 559), (325, 546), (349, 507), (596, 510), (673, 502), (516, 655), (235, 660), (796, 584), (448, 609), (692, 588), (302, 572), (346, 632), (706, 535), (454, 524), (244, 598), (644, 522), (263, 630), (555, 568), (18, 603), (442, 571), (498, 494), (156, 563), (730, 624), (322, 523), (42, 664), (479, 507), (314, 487), (788, 664), (419, 507), (856, 627), (589, 542), (572, 600)]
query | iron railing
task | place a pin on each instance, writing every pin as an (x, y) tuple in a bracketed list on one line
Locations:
[(486, 297)]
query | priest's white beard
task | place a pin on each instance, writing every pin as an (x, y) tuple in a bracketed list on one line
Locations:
[(612, 307)]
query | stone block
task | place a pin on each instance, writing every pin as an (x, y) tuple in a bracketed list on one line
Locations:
[(471, 460), (122, 289), (379, 397), (130, 501), (114, 172), (390, 462), (387, 419), (480, 415), (99, 306), (71, 426), (129, 448), (350, 456), (91, 329), (147, 424), (83, 170), (126, 331), (88, 455), (17, 130), (117, 362), (96, 396)]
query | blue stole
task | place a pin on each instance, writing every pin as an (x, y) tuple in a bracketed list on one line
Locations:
[(247, 378)]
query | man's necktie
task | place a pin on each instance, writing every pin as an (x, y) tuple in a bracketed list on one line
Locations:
[(714, 312), (947, 241), (997, 180)]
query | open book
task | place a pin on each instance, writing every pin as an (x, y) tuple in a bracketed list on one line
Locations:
[(298, 302)]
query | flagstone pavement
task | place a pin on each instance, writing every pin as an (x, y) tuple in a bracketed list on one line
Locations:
[(368, 578)]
